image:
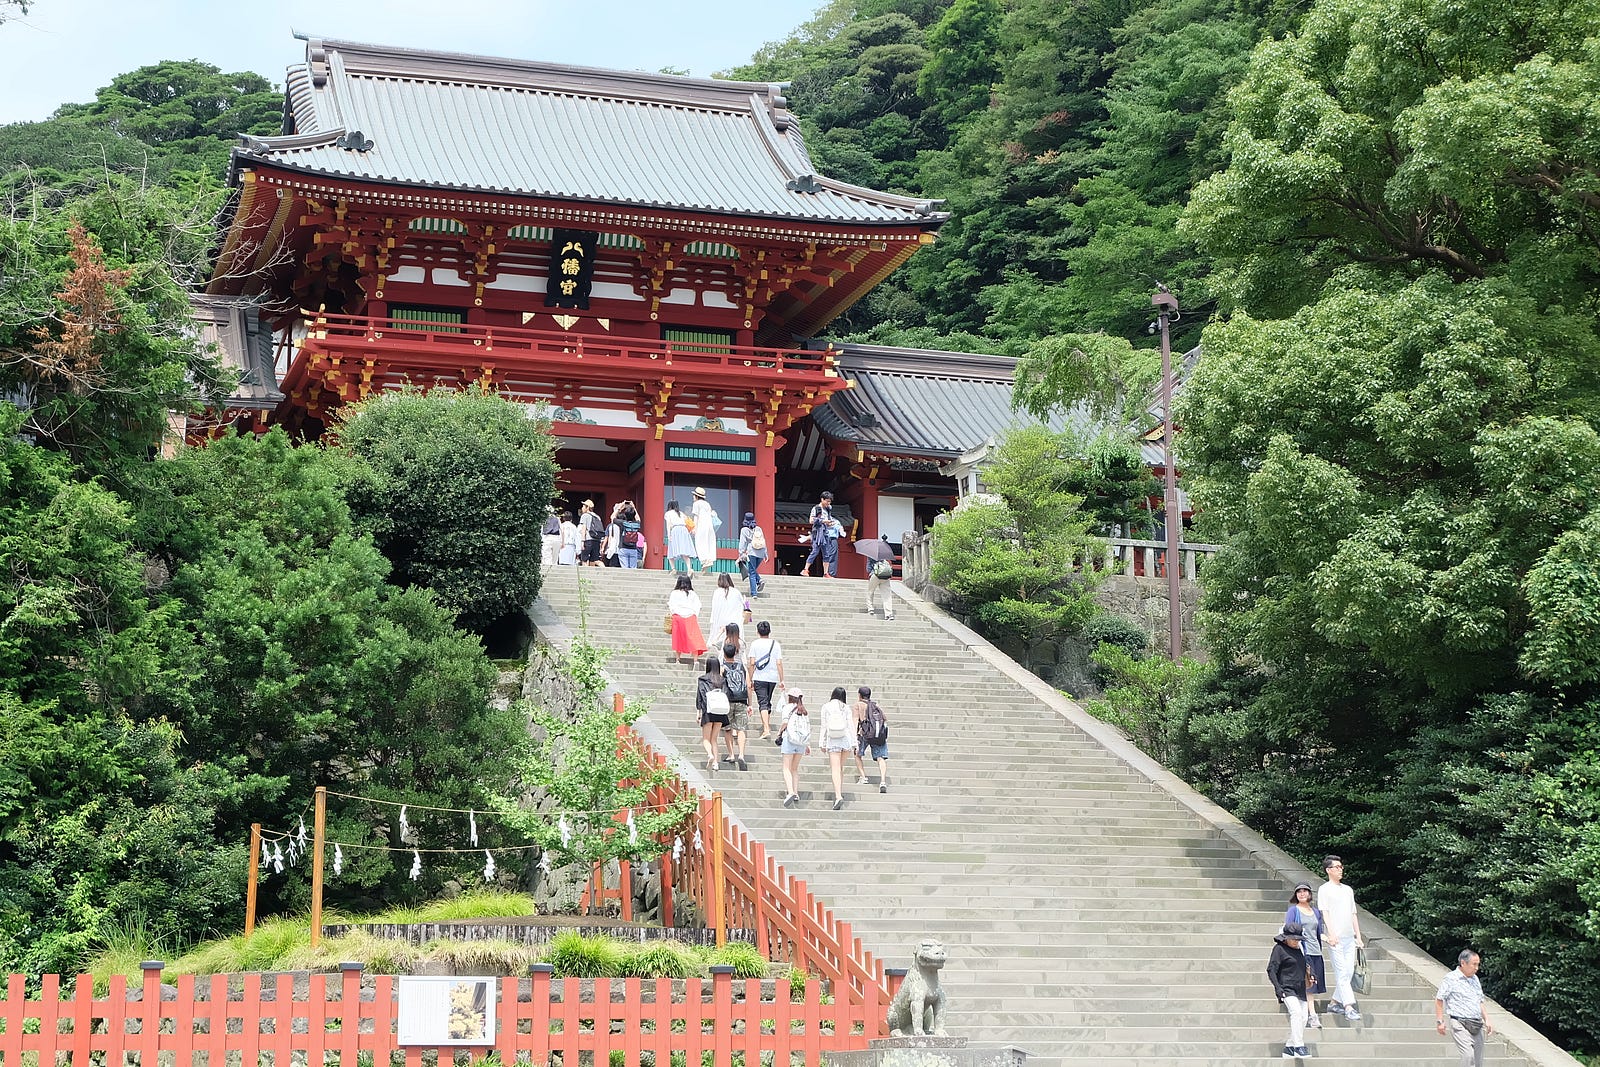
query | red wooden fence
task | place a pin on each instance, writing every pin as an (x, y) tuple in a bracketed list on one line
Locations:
[(791, 924), (255, 1021)]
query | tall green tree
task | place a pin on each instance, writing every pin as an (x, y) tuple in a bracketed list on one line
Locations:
[(1016, 560), (1396, 433), (95, 338), (456, 495)]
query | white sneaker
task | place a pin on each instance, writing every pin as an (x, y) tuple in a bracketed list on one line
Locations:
[(861, 780)]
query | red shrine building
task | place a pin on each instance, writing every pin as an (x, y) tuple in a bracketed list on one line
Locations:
[(649, 259)]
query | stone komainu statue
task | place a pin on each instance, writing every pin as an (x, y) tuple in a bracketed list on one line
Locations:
[(918, 1006)]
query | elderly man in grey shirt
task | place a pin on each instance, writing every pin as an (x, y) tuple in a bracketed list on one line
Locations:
[(1458, 1006)]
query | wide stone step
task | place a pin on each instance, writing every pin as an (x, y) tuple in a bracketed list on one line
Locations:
[(1090, 917)]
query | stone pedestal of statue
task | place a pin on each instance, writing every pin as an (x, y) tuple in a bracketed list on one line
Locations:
[(927, 1052)]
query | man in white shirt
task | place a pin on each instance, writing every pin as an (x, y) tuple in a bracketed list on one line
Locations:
[(764, 661), (1458, 1007), (1337, 902)]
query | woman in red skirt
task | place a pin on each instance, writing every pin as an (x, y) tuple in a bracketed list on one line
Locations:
[(684, 607)]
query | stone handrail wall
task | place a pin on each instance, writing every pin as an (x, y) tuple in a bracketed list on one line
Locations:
[(1123, 555)]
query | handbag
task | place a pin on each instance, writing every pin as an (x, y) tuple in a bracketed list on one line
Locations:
[(666, 623), (1361, 978), (744, 570)]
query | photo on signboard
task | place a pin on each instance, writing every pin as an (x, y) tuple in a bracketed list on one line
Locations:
[(446, 1010)]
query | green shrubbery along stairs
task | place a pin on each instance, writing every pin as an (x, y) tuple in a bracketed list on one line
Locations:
[(1095, 909)]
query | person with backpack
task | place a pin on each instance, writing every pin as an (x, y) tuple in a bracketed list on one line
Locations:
[(794, 741), (764, 664), (880, 575), (711, 701), (753, 552), (838, 737), (629, 533), (872, 734), (593, 533), (552, 537), (736, 683)]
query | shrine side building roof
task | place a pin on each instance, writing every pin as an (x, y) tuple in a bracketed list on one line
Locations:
[(459, 122), (925, 403)]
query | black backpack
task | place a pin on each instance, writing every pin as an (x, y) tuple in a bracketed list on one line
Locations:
[(552, 526), (874, 728), (733, 680)]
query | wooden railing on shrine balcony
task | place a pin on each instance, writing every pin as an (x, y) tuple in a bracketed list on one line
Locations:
[(278, 1020), (454, 339)]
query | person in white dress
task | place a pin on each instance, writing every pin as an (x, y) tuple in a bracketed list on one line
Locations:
[(569, 541), (678, 542), (705, 530), (727, 605)]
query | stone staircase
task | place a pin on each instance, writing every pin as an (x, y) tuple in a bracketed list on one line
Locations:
[(1090, 916)]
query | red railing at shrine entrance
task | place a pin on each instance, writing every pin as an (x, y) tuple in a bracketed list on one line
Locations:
[(398, 337), (256, 1020)]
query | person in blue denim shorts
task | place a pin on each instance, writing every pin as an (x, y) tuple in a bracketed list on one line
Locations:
[(794, 740), (865, 742)]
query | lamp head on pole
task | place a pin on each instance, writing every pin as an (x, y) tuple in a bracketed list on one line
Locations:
[(1164, 302)]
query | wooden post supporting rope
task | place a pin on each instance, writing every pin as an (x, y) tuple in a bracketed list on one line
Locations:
[(718, 874), (318, 828), (250, 886)]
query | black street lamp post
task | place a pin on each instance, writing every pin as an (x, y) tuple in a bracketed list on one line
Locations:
[(1166, 306)]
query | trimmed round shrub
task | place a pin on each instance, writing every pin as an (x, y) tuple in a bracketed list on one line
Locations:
[(1108, 629)]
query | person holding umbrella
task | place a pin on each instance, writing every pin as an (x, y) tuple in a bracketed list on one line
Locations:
[(880, 574)]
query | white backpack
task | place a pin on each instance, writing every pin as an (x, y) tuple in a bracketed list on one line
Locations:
[(758, 540), (836, 720), (797, 729)]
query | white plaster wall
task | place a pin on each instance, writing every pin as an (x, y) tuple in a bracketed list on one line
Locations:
[(896, 515)]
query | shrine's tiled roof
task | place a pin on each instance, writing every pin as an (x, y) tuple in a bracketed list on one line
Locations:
[(232, 330), (459, 122), (916, 402)]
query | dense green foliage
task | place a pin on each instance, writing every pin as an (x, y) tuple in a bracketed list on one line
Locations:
[(191, 644), (1015, 558), (1064, 138), (170, 123), (457, 494), (1395, 427), (1397, 434)]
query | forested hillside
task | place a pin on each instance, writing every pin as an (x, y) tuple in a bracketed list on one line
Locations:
[(1064, 139), (1384, 215), (190, 645)]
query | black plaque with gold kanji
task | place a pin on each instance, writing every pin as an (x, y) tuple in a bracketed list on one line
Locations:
[(571, 269)]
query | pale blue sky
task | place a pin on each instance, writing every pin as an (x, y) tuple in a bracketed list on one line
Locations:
[(63, 50)]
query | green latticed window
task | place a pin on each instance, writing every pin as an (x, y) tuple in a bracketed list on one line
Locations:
[(710, 342), (437, 320), (707, 454)]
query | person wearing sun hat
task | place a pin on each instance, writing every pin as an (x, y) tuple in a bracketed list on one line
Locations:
[(794, 741), (706, 521), (1286, 970)]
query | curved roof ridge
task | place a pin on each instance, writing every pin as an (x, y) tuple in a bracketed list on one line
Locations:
[(361, 57)]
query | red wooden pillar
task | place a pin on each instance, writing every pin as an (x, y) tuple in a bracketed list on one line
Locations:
[(766, 492), (654, 473)]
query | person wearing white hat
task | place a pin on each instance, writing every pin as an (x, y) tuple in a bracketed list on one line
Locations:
[(794, 741), (706, 521)]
